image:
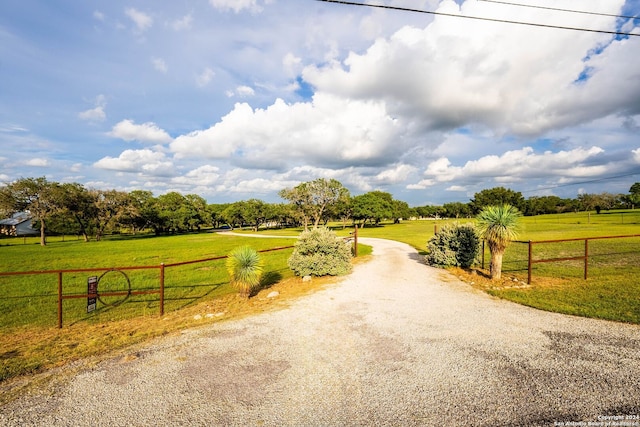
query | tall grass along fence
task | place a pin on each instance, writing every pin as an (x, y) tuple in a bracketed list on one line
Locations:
[(109, 289), (576, 257)]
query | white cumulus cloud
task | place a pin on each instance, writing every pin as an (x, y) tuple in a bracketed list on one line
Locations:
[(38, 161), (458, 72), (146, 162), (328, 131), (146, 132)]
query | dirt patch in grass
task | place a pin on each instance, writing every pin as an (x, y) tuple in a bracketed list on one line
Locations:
[(481, 279)]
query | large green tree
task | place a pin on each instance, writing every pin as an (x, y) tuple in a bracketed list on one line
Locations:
[(498, 225), (372, 207), (40, 197), (497, 196), (314, 199), (80, 204), (112, 207)]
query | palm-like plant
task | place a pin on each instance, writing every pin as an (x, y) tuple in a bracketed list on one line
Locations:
[(245, 268), (498, 225)]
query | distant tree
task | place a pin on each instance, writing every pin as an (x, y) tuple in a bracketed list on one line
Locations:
[(456, 210), (373, 207), (498, 226), (497, 196), (80, 204), (144, 211), (300, 198), (111, 207), (215, 213), (343, 210), (597, 202), (429, 211), (313, 199), (173, 211), (254, 212), (196, 213), (400, 210), (634, 195), (40, 197), (539, 205), (233, 214)]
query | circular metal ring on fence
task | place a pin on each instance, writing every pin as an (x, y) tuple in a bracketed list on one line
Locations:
[(123, 291)]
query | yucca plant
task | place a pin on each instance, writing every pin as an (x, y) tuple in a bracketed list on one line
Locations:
[(498, 225), (245, 268)]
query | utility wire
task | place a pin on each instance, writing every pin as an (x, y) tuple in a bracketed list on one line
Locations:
[(582, 182), (504, 21), (560, 10)]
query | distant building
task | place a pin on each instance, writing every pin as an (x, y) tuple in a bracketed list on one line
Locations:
[(18, 225)]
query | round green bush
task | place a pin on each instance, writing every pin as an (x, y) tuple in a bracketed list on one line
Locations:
[(320, 252), (453, 246)]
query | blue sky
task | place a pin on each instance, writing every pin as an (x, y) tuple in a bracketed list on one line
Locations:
[(236, 99)]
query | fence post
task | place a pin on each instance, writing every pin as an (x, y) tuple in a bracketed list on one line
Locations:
[(586, 258), (59, 299), (483, 254), (162, 289), (530, 262)]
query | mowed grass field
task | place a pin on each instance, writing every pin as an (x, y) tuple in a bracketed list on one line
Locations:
[(197, 294)]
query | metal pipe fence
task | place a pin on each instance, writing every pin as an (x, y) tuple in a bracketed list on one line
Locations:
[(96, 294), (584, 256)]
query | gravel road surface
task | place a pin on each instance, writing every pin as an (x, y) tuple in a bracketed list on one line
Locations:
[(396, 343)]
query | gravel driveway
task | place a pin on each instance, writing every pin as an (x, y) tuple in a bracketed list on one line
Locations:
[(395, 343)]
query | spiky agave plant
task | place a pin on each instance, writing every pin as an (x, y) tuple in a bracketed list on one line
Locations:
[(245, 268), (498, 225)]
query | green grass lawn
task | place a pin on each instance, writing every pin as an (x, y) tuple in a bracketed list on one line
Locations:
[(32, 299)]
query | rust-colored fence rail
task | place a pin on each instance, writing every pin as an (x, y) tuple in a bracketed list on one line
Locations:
[(585, 257), (126, 293)]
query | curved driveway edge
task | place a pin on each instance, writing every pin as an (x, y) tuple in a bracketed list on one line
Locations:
[(396, 343)]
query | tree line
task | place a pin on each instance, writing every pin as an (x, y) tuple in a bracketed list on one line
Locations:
[(536, 205), (71, 208)]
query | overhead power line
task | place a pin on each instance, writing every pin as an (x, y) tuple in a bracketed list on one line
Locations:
[(560, 9), (478, 18), (592, 181)]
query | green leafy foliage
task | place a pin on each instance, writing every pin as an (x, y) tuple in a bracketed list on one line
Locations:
[(245, 268), (453, 246), (320, 252)]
